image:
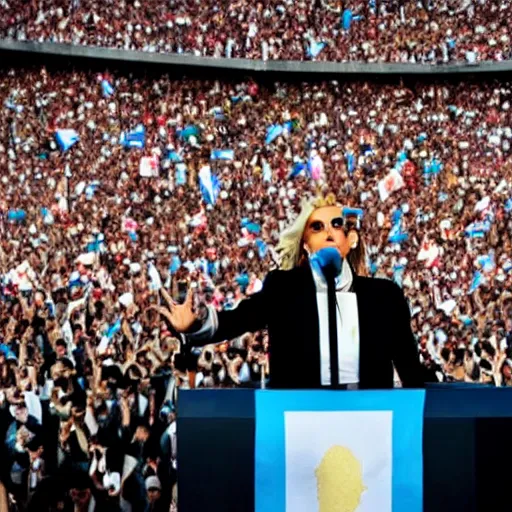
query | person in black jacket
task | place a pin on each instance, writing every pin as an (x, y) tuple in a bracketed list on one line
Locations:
[(373, 325)]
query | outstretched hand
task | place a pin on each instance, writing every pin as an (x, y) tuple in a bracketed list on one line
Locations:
[(180, 316)]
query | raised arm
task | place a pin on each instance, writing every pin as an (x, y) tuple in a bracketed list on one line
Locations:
[(249, 316)]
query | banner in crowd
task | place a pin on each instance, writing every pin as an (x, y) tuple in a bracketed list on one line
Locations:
[(339, 451)]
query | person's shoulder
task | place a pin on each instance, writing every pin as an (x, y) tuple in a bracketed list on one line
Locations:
[(284, 276)]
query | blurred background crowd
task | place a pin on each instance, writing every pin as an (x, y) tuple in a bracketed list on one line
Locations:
[(121, 190), (399, 31)]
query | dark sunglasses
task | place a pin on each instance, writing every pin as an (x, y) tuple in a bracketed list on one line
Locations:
[(318, 226)]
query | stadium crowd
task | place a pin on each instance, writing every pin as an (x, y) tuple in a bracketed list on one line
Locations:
[(396, 31), (120, 190)]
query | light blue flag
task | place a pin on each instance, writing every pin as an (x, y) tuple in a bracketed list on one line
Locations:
[(478, 229), (91, 189), (315, 48), (396, 235), (398, 274), (135, 138), (218, 113), (267, 172), (273, 132), (66, 138), (262, 248), (113, 329), (175, 157), (175, 264), (16, 215), (223, 154), (209, 185), (253, 228), (362, 447), (190, 131), (478, 279), (346, 19), (351, 161), (297, 168), (486, 261), (433, 166), (180, 177), (107, 88)]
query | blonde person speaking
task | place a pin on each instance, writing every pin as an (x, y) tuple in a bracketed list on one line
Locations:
[(373, 318)]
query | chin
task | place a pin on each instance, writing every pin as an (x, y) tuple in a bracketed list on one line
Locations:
[(333, 245)]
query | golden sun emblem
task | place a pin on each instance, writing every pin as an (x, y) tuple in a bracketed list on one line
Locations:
[(339, 480)]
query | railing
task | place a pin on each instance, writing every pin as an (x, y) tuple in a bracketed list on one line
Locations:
[(190, 62)]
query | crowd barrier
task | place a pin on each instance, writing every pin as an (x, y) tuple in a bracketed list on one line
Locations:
[(190, 63)]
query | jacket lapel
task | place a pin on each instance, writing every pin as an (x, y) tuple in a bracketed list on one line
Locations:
[(365, 371), (308, 330)]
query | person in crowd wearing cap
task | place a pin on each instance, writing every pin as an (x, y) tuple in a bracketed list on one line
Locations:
[(373, 324), (154, 495)]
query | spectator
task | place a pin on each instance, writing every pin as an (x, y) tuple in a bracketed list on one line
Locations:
[(396, 32), (168, 182)]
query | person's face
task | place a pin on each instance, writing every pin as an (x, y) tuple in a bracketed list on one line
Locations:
[(21, 414), (325, 229), (80, 497), (60, 351), (38, 299), (153, 495)]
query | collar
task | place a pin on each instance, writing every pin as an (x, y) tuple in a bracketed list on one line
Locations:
[(343, 281)]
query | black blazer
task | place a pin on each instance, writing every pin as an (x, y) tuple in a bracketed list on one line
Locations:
[(287, 306)]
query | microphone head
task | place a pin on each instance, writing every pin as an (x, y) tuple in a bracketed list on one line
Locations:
[(329, 261)]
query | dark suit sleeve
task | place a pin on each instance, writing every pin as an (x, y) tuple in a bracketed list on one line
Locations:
[(404, 349), (249, 316)]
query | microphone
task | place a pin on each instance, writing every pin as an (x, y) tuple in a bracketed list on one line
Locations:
[(328, 260)]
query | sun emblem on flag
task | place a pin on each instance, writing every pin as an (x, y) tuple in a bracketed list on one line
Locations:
[(339, 481)]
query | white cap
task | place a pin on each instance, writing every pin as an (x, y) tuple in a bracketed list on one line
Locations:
[(86, 259), (126, 299), (153, 482)]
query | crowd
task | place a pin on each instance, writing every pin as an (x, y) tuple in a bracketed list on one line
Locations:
[(398, 31), (119, 191)]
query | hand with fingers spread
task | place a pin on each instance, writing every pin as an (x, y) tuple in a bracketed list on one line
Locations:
[(180, 316)]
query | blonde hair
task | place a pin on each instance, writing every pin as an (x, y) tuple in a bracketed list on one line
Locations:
[(290, 248)]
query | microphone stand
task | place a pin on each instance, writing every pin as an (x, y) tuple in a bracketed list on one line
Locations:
[(333, 328)]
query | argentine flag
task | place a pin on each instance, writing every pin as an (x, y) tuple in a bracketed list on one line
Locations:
[(66, 138), (350, 451), (135, 138), (209, 184), (222, 154), (478, 229)]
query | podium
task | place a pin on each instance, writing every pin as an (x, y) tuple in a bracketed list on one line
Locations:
[(466, 430)]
